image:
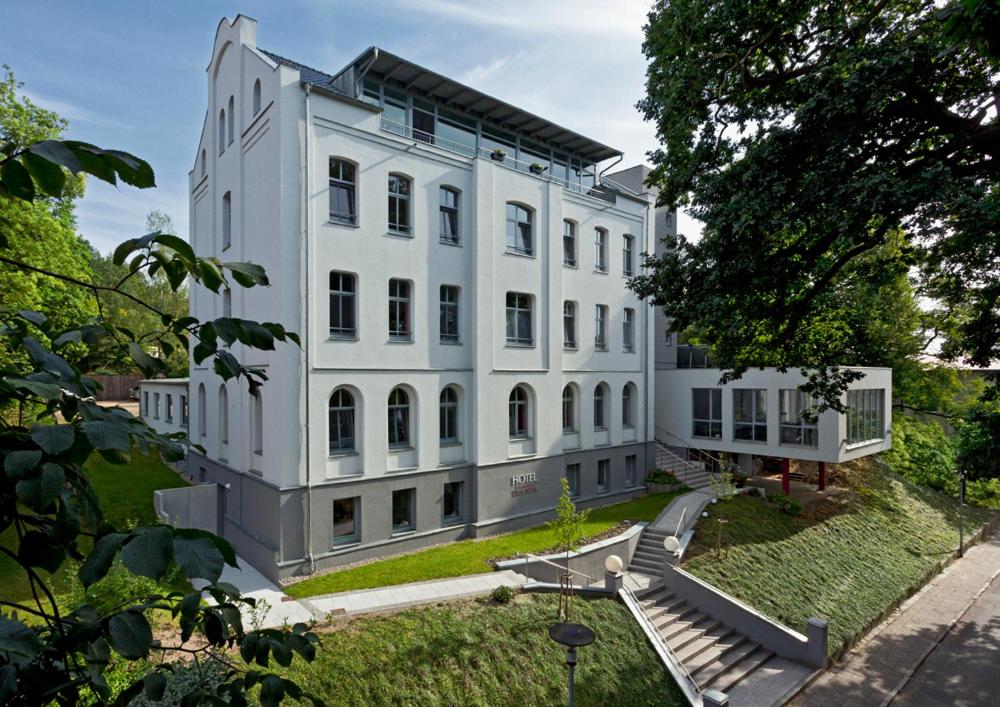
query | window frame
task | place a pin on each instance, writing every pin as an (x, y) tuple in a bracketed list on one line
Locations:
[(349, 188), (343, 412), (452, 306), (631, 466), (400, 305), (569, 409), (256, 97), (628, 330), (355, 536), (601, 250), (569, 326), (628, 255), (222, 131), (515, 313), (448, 417), (865, 416), (603, 469), (628, 406), (346, 304), (795, 422), (600, 408), (758, 409), (223, 415), (572, 475), (518, 412), (400, 203), (227, 220), (410, 502), (570, 259), (457, 496), (520, 235), (231, 121), (403, 419), (448, 213), (600, 327), (257, 424), (714, 406)]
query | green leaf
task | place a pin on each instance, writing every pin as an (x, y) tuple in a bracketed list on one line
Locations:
[(17, 180), (18, 463), (197, 556), (149, 551), (130, 634), (147, 363), (272, 690), (248, 274), (55, 151), (38, 550), (211, 276), (103, 434), (180, 246), (43, 488), (155, 685), (98, 562), (18, 640), (49, 391), (53, 439), (48, 176)]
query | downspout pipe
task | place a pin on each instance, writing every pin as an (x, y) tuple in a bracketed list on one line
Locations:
[(307, 344)]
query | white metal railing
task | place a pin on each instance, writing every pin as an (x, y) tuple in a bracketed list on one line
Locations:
[(686, 682), (701, 453)]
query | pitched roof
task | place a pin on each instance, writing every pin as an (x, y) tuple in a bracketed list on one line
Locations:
[(307, 73)]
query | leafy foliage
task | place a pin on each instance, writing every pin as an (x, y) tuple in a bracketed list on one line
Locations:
[(568, 525), (48, 500)]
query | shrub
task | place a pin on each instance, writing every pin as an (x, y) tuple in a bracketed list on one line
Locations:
[(722, 485), (662, 476), (503, 594), (786, 504)]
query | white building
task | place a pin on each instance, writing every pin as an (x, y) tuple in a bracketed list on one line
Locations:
[(163, 404), (457, 270)]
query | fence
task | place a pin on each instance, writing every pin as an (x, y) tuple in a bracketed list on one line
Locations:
[(117, 387)]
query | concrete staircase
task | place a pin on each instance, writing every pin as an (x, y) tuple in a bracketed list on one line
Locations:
[(693, 474), (649, 554), (715, 655)]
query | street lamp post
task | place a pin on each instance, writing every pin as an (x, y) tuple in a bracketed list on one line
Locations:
[(572, 636)]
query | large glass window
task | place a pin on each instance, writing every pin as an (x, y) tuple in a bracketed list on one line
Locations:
[(798, 424), (449, 214), (601, 327), (569, 325), (341, 422), (865, 415), (399, 204), (603, 475), (573, 478), (457, 130), (452, 501), (449, 313), (342, 305), (628, 255), (600, 250), (599, 404), (519, 331), (449, 416), (399, 418), (628, 330), (399, 310), (750, 414), (227, 220), (707, 416), (493, 139), (394, 109), (517, 413), (345, 521), (423, 121), (519, 230), (343, 186), (568, 409), (569, 243), (402, 511)]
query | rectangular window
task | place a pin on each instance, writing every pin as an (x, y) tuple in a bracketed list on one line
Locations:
[(603, 475), (457, 130), (423, 121), (569, 325), (569, 243), (449, 215), (448, 416), (707, 417), (227, 220), (145, 403), (573, 477), (452, 502), (750, 414), (156, 406), (394, 107), (342, 306), (184, 410), (449, 313), (399, 310), (630, 466), (342, 192), (601, 327), (519, 331), (519, 230), (227, 302), (798, 424), (402, 511), (865, 415), (170, 408), (628, 255), (399, 204), (628, 330), (600, 250), (568, 410), (345, 521)]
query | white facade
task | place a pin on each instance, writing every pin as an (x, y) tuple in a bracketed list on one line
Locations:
[(164, 404)]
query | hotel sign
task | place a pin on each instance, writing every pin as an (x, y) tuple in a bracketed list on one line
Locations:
[(523, 484)]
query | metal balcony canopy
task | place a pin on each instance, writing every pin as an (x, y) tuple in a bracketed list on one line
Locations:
[(378, 64)]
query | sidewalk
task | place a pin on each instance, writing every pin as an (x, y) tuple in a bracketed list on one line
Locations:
[(688, 506), (877, 668), (280, 609)]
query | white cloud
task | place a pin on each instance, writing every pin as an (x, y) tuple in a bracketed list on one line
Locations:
[(72, 111)]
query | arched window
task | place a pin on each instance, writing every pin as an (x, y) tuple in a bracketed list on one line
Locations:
[(449, 215), (628, 405), (227, 220), (341, 421), (399, 204), (202, 411), (517, 413), (223, 415), (222, 131), (343, 191), (449, 416), (520, 238), (399, 418), (343, 294), (569, 409), (256, 97), (257, 423), (204, 165), (231, 121), (599, 421)]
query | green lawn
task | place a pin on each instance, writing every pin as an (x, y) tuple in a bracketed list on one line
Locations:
[(126, 493), (471, 556), (849, 562), (476, 653)]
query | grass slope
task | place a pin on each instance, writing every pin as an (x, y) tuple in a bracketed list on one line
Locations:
[(476, 653), (847, 561), (126, 493), (471, 556)]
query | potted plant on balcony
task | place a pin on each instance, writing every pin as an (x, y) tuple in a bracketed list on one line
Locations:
[(536, 168), (497, 155)]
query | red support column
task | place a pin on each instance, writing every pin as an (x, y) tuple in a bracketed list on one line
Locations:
[(786, 483), (822, 476)]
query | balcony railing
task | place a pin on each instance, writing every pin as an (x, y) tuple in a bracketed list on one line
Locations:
[(605, 190), (693, 357)]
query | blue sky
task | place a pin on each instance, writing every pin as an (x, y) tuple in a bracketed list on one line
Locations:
[(131, 75)]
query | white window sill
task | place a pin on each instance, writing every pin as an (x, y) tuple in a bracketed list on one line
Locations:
[(342, 337), (399, 234), (567, 347), (571, 266), (403, 532), (400, 448), (454, 244), (598, 271), (399, 341), (344, 544), (451, 443), (342, 455), (519, 255), (511, 345), (346, 224), (445, 342)]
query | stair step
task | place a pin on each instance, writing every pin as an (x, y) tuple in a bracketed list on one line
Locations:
[(682, 625), (665, 606), (664, 621), (648, 554), (694, 633), (725, 645), (651, 595), (709, 671), (732, 677), (718, 636), (643, 568)]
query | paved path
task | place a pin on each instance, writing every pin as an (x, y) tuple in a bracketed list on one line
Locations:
[(401, 595), (280, 608), (920, 632), (688, 505)]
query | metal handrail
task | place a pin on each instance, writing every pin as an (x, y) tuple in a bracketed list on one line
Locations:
[(718, 460), (651, 629), (554, 564), (403, 130)]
